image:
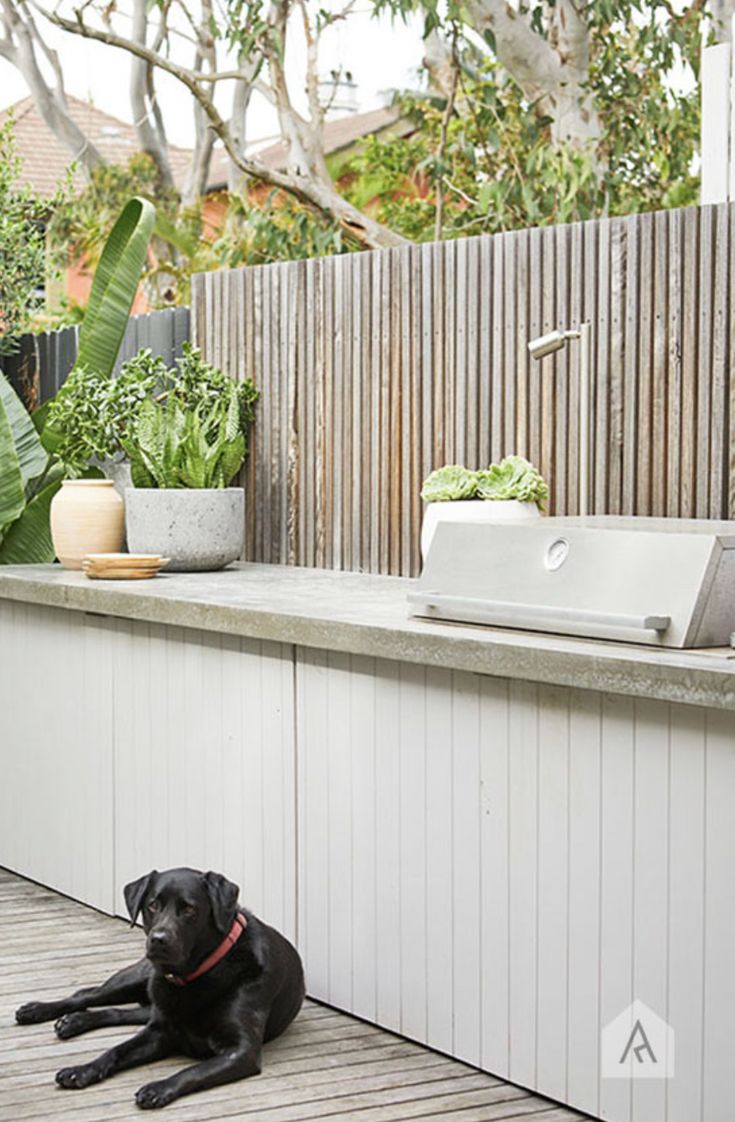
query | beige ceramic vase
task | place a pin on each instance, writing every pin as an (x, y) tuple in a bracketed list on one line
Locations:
[(87, 516)]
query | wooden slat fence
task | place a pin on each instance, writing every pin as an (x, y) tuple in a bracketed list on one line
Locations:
[(375, 368), (43, 361)]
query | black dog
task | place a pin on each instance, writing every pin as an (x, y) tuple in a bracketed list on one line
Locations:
[(216, 984)]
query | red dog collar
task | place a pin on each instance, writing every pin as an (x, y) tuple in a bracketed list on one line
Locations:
[(238, 926)]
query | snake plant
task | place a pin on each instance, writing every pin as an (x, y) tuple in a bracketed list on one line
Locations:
[(171, 446)]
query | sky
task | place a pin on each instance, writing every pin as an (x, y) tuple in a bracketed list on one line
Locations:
[(381, 56)]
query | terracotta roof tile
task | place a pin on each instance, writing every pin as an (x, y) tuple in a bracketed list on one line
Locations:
[(46, 159), (338, 134)]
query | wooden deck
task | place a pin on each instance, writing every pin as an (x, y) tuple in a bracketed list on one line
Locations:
[(327, 1065)]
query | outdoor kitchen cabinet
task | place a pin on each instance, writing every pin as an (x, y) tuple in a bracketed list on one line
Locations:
[(489, 842)]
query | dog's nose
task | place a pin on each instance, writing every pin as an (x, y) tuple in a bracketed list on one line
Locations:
[(159, 940)]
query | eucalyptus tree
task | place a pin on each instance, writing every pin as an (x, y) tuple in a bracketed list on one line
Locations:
[(234, 48)]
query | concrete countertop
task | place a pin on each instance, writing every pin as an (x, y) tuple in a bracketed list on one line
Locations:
[(366, 615)]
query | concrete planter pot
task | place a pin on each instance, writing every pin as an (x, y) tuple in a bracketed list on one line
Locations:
[(473, 510), (200, 530)]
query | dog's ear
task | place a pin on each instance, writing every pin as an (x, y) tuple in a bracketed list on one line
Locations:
[(223, 896), (135, 893)]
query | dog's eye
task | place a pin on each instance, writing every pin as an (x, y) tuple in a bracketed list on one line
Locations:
[(188, 910), (153, 905)]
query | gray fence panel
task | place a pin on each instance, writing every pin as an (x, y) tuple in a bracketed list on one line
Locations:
[(43, 361)]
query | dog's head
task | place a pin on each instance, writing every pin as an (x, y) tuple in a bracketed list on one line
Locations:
[(185, 914)]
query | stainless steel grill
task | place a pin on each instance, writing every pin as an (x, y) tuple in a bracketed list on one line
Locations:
[(665, 582)]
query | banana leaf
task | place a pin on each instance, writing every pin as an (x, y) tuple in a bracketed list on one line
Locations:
[(12, 491), (28, 448), (114, 286), (28, 540)]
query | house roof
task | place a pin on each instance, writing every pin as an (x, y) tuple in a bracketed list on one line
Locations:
[(46, 158), (339, 134)]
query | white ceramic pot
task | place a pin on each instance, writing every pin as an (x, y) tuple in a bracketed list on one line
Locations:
[(199, 530), (87, 516), (473, 510)]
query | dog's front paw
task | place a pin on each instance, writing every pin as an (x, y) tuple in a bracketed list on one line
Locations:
[(32, 1013), (74, 1078), (71, 1024), (154, 1095)]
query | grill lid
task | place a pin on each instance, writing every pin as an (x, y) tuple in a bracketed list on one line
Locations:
[(666, 582)]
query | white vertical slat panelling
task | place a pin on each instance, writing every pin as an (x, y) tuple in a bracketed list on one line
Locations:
[(534, 859), (650, 883), (466, 864), (204, 762), (494, 885), (494, 869), (361, 741), (522, 875), (415, 918), (339, 870), (553, 890), (616, 882), (387, 846), (584, 904), (313, 822), (685, 929), (719, 955), (439, 887), (56, 750)]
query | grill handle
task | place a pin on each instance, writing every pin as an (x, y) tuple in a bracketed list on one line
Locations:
[(537, 617)]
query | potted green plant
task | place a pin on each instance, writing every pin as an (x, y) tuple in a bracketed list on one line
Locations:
[(512, 490), (183, 458)]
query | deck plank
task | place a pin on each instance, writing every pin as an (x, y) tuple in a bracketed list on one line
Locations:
[(328, 1065)]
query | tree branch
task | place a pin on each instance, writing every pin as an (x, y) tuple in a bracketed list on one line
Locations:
[(50, 103), (527, 56), (551, 72), (321, 196), (145, 122)]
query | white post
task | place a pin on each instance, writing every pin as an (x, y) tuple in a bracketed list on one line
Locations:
[(717, 180)]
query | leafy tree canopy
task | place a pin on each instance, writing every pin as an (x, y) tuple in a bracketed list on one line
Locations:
[(22, 244)]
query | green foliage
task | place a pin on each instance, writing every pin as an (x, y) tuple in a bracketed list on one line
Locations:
[(80, 227), (92, 412), (93, 416), (29, 479), (22, 244), (274, 229), (202, 387), (449, 484), (172, 446), (512, 478), (114, 286), (499, 168), (255, 231)]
